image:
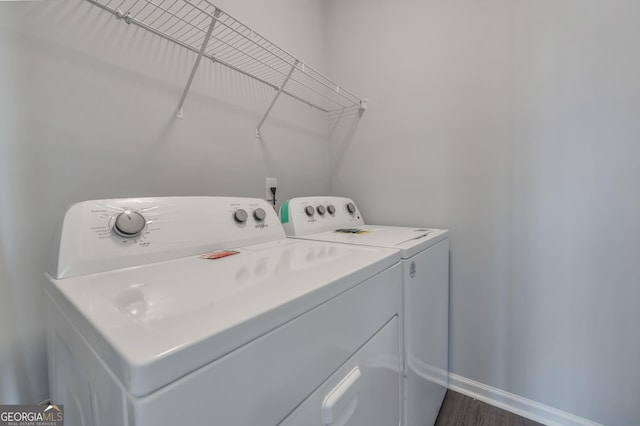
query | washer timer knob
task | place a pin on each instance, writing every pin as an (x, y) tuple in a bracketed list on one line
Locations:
[(240, 216), (331, 209), (351, 208), (309, 210), (129, 224), (259, 214), (320, 210)]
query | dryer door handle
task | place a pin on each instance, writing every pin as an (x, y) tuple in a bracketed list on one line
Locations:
[(341, 402)]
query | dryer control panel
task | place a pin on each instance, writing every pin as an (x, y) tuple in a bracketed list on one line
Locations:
[(104, 235), (308, 215)]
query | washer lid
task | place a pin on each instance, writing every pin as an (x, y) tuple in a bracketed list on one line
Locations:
[(155, 323), (408, 240)]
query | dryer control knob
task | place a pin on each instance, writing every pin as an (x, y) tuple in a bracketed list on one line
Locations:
[(331, 209), (320, 210), (129, 224), (351, 208), (240, 216), (309, 210), (259, 214)]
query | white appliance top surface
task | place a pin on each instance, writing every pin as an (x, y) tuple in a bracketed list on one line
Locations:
[(321, 218), (153, 323), (408, 240)]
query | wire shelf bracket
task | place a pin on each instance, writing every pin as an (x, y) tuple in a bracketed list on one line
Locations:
[(216, 14), (275, 98), (209, 32)]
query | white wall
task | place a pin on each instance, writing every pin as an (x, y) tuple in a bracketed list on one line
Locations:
[(87, 109), (576, 229), (514, 124)]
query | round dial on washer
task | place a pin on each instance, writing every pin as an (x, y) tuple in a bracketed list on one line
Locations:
[(129, 224), (259, 214), (351, 208), (331, 209), (240, 216), (321, 210), (309, 210)]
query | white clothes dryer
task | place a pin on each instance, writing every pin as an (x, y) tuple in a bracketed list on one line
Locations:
[(425, 284), (199, 311)]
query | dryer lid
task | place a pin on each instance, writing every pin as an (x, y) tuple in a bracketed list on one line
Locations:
[(409, 241), (154, 323)]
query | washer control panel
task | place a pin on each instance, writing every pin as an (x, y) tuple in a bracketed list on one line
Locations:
[(308, 215), (103, 235)]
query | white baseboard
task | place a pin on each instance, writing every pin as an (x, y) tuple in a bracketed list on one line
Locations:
[(516, 404)]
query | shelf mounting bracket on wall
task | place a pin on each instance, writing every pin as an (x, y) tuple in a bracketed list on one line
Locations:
[(207, 37), (275, 98)]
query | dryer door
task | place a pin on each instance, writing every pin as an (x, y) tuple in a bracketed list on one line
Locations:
[(364, 391)]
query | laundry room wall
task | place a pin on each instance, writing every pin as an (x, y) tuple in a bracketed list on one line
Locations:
[(87, 110), (576, 208), (515, 125)]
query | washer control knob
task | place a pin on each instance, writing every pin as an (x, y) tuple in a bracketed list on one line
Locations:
[(240, 216), (309, 210), (331, 209), (259, 214), (321, 210), (129, 224), (351, 208)]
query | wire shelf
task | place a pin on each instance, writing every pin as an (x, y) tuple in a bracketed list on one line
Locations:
[(203, 28)]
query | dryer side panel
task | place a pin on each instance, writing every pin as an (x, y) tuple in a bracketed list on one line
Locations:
[(78, 379), (426, 332)]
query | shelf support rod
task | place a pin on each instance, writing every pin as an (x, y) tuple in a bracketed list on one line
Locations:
[(275, 98), (216, 14)]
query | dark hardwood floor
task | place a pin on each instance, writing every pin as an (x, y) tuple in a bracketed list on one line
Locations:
[(460, 410)]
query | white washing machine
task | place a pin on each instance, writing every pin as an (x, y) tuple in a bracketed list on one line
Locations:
[(425, 270), (199, 311)]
